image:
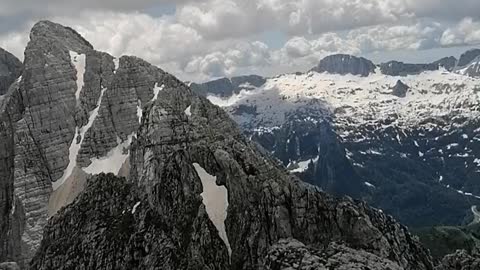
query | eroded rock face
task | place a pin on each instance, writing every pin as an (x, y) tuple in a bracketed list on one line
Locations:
[(345, 64), (400, 89), (292, 254), (10, 70), (113, 226), (448, 63), (72, 113), (467, 57), (395, 68), (226, 87), (460, 260)]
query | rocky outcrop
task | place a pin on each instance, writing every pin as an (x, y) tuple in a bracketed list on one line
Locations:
[(10, 70), (400, 89), (9, 266), (469, 63), (226, 87), (292, 254), (395, 68), (113, 226), (460, 260), (448, 63), (345, 64), (467, 57)]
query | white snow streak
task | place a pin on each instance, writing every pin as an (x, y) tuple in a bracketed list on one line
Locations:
[(75, 147), (157, 90), (116, 62), (135, 207), (139, 111), (188, 111), (113, 161), (215, 199), (303, 165), (369, 184), (79, 62)]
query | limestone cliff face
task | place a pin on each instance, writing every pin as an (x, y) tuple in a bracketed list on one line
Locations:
[(72, 110), (345, 64), (10, 70)]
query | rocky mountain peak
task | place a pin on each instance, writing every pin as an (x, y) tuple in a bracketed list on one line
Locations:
[(225, 87), (467, 57), (400, 89), (448, 63), (47, 31), (345, 64)]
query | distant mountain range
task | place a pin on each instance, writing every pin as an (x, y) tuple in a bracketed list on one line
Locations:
[(404, 137)]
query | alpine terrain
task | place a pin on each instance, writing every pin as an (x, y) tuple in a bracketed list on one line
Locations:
[(113, 163), (403, 137)]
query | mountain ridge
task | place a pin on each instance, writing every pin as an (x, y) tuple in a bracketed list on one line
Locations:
[(402, 134)]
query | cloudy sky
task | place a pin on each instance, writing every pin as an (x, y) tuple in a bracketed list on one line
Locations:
[(202, 39)]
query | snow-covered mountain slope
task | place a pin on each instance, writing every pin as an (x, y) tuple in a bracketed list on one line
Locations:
[(410, 144)]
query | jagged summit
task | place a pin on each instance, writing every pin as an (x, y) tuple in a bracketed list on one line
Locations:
[(467, 57), (58, 33), (345, 64)]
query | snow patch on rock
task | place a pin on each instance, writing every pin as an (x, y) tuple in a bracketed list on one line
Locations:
[(76, 143), (139, 111), (188, 111), (134, 209), (113, 161), (116, 62), (156, 90), (215, 199), (79, 62)]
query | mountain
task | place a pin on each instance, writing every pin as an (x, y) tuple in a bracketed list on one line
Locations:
[(345, 64), (10, 70), (225, 87), (115, 164), (395, 68), (469, 63), (407, 143)]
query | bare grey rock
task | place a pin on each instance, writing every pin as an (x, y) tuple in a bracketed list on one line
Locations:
[(467, 57), (460, 260), (9, 266), (113, 226), (395, 68), (226, 87), (345, 64), (400, 89), (448, 63), (10, 70), (292, 254)]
